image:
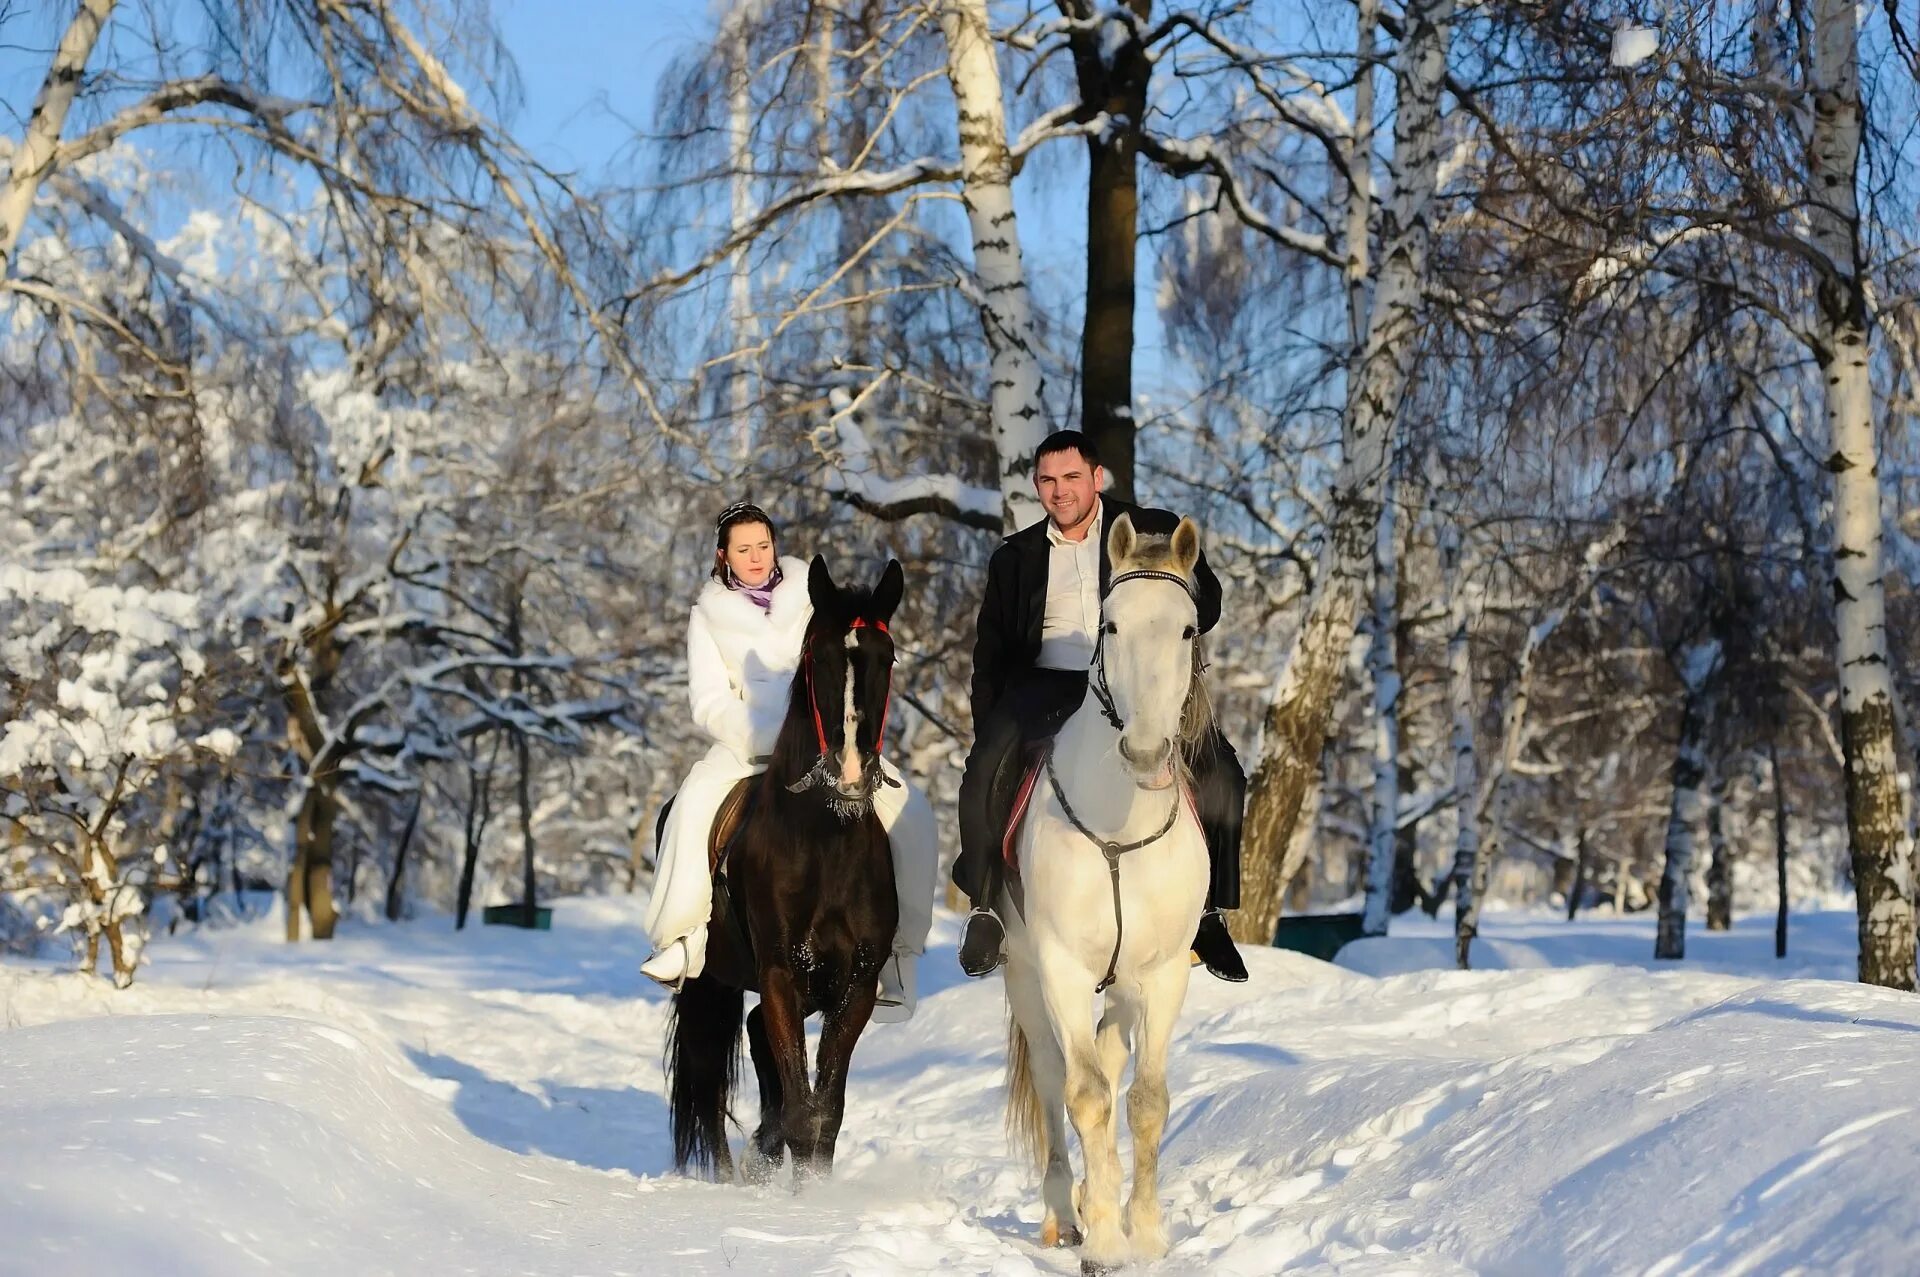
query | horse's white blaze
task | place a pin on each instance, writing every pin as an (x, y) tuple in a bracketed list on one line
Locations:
[(849, 743), (1059, 945)]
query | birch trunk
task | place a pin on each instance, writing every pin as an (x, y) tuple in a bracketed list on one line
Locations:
[(1006, 312), (740, 213), (1360, 177), (1383, 663), (1296, 721), (1490, 804), (34, 156), (1466, 782), (1720, 867), (1688, 803), (1877, 825), (1779, 850)]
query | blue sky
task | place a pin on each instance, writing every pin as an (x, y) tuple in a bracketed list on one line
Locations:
[(590, 78)]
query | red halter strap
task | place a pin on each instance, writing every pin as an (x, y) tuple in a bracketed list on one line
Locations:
[(861, 622)]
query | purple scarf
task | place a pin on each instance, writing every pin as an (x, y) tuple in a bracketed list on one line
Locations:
[(761, 595)]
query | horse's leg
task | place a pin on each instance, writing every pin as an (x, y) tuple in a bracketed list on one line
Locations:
[(1068, 990), (1164, 989), (839, 1032), (1047, 1070), (786, 1026), (766, 1149), (1114, 1039)]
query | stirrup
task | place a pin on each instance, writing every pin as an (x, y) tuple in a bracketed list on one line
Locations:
[(897, 1010), (999, 955), (675, 984)]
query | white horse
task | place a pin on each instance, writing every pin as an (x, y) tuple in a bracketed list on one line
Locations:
[(1112, 879)]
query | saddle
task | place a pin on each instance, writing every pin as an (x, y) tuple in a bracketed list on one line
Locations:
[(728, 822), (729, 911), (1033, 761)]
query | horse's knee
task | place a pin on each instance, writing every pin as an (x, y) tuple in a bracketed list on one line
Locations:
[(1147, 1100), (1089, 1100)]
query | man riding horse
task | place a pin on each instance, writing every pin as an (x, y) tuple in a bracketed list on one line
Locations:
[(1034, 643)]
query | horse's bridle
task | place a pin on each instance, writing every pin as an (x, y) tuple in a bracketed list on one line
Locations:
[(813, 702), (817, 775), (1111, 849), (1097, 670)]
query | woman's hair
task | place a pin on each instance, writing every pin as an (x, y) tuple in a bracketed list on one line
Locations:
[(730, 518)]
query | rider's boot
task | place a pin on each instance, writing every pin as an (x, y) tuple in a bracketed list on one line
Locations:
[(1214, 947), (980, 947), (672, 965)]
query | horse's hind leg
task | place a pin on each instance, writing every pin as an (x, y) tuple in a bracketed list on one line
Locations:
[(1164, 989), (1068, 988), (1047, 1074), (766, 1149)]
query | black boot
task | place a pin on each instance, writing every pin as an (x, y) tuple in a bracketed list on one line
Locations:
[(1214, 947), (980, 946)]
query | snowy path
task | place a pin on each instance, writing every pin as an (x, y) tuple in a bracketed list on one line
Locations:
[(408, 1100)]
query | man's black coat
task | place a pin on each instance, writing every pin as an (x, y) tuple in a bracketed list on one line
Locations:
[(1007, 635)]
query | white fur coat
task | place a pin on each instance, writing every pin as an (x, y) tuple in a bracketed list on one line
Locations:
[(740, 661)]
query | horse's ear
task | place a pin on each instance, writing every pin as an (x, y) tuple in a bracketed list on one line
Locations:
[(886, 595), (820, 587), (1186, 546), (1120, 539)]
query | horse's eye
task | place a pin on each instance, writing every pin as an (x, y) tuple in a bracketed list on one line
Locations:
[(1108, 627), (1189, 633)]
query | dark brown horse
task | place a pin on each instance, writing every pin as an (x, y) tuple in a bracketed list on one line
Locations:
[(807, 911)]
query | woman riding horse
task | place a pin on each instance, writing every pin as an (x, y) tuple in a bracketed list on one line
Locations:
[(743, 646)]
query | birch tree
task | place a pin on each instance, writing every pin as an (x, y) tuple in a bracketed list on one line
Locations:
[(1018, 413), (1879, 825), (1296, 720), (1383, 663), (1699, 675)]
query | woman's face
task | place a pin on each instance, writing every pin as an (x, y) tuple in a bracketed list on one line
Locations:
[(750, 553)]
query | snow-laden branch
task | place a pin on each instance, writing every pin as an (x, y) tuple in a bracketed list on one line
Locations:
[(854, 475)]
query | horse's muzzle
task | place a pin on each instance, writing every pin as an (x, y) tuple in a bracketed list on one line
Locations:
[(1152, 769)]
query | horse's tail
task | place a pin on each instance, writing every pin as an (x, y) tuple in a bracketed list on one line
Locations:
[(1026, 1116), (703, 1062)]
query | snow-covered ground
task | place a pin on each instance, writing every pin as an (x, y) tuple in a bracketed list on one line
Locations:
[(409, 1100)]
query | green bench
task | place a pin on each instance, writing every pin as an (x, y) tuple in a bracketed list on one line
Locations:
[(1318, 935)]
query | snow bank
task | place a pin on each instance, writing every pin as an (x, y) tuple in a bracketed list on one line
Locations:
[(410, 1100)]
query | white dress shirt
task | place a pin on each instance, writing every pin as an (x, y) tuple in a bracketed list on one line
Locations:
[(1073, 596)]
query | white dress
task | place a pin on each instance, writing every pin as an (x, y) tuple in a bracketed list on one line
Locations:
[(740, 665)]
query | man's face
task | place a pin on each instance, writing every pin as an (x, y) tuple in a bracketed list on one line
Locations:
[(1068, 487)]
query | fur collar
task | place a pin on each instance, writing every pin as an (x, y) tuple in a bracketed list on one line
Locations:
[(732, 610)]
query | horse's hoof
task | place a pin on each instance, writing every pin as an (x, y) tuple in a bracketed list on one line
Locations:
[(1088, 1268), (757, 1169), (1052, 1235)]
